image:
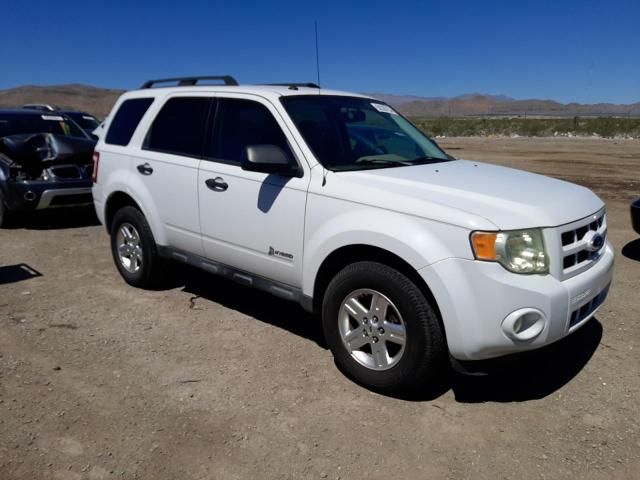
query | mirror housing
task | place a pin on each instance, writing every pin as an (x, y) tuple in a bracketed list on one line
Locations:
[(268, 159)]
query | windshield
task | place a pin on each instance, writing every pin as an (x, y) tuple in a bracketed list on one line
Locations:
[(41, 122), (351, 133), (86, 121)]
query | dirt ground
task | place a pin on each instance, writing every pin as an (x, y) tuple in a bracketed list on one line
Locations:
[(210, 380)]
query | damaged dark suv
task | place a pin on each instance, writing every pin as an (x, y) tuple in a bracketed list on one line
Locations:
[(45, 162)]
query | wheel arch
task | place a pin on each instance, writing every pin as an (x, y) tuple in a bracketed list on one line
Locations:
[(119, 199), (348, 254), (115, 202)]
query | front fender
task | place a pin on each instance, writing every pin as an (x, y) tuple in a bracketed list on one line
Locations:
[(333, 224)]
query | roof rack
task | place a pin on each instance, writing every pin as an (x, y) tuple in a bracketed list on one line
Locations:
[(190, 81), (309, 85)]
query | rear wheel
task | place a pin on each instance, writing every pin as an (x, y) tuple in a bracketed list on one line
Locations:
[(134, 249), (4, 213), (381, 329)]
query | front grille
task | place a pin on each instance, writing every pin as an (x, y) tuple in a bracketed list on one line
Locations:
[(578, 234), (74, 199), (588, 308), (576, 251)]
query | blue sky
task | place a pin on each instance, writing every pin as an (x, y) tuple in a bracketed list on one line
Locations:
[(585, 51)]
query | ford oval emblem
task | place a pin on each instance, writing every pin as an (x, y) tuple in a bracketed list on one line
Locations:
[(595, 241)]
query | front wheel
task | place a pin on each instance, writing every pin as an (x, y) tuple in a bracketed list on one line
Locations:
[(381, 329)]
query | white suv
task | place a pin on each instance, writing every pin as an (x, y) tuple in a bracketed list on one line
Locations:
[(336, 201)]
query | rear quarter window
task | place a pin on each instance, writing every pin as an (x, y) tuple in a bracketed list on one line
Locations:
[(126, 120)]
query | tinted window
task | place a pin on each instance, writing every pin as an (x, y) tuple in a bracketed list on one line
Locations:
[(126, 120), (240, 123), (179, 127)]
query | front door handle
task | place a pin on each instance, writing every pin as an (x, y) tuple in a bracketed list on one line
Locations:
[(216, 184), (145, 169)]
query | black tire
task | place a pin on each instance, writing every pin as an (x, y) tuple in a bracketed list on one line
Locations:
[(151, 271), (4, 211), (423, 359)]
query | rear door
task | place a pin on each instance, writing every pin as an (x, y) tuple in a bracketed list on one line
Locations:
[(251, 221), (168, 167)]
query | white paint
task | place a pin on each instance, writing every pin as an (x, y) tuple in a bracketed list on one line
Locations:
[(423, 214)]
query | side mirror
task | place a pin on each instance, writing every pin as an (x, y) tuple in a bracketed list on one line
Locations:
[(268, 159)]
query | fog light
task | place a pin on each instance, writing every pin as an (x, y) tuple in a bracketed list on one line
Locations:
[(524, 324), (29, 196)]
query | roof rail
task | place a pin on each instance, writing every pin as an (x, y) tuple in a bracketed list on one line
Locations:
[(190, 81), (309, 85)]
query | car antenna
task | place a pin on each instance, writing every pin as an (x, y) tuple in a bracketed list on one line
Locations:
[(315, 23), (317, 57)]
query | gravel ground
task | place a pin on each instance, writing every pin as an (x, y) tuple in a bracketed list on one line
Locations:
[(210, 380)]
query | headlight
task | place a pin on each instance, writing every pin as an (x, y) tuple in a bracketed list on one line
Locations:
[(519, 251)]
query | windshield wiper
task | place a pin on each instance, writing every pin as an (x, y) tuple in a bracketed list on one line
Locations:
[(427, 159), (381, 161)]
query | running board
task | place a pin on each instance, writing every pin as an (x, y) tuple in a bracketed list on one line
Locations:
[(278, 289)]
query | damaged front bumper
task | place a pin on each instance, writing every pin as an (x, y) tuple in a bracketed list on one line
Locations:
[(42, 171), (31, 195)]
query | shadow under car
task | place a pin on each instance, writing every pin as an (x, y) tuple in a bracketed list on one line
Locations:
[(514, 378)]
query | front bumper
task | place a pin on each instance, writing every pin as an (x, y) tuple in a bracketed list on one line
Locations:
[(635, 215), (477, 299), (39, 195)]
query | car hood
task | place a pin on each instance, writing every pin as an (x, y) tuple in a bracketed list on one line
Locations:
[(470, 194)]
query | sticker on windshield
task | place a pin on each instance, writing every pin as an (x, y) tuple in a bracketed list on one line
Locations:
[(55, 118), (384, 108), (87, 117)]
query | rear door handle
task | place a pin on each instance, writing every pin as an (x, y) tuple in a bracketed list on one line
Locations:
[(145, 169), (216, 184)]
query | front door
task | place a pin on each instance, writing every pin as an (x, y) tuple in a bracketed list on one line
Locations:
[(249, 220)]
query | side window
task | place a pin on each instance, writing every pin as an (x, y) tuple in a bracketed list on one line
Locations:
[(179, 127), (240, 123), (126, 120)]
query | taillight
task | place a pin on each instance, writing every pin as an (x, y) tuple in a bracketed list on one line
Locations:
[(96, 162)]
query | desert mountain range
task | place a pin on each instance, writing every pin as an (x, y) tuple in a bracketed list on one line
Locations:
[(99, 101)]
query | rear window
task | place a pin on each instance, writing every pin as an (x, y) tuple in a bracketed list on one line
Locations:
[(179, 127), (126, 120)]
